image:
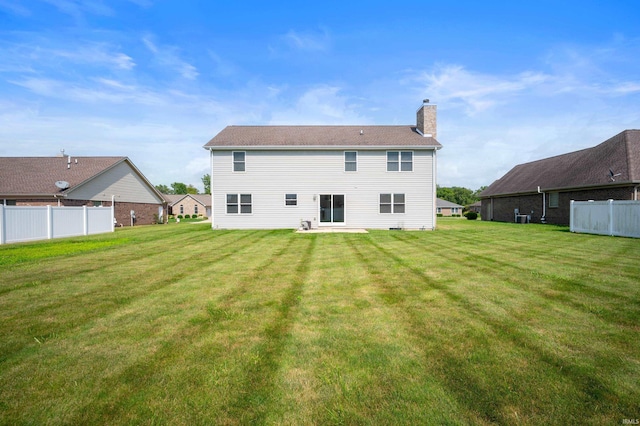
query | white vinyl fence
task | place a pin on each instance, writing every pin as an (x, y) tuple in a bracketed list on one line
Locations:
[(27, 223), (619, 218)]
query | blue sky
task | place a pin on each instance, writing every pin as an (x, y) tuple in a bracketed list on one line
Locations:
[(154, 80)]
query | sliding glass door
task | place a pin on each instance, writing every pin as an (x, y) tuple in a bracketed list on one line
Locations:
[(332, 209)]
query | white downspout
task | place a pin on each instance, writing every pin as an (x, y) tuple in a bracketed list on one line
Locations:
[(544, 207), (213, 216), (434, 188), (113, 213)]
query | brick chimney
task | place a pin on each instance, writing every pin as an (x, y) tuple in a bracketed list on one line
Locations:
[(426, 120)]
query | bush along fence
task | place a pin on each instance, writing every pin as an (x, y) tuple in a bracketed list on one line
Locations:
[(613, 217), (29, 223)]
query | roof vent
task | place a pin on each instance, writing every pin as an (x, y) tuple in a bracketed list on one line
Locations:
[(62, 184)]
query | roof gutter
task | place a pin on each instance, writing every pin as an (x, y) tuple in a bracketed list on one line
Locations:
[(564, 189), (319, 147)]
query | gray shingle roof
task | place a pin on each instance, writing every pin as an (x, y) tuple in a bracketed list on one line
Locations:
[(585, 168), (37, 175), (445, 203), (320, 137), (172, 199)]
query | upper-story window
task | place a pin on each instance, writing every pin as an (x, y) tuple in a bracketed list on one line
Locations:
[(351, 161), (399, 161), (239, 161)]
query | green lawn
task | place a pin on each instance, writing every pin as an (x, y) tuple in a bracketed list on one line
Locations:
[(474, 323)]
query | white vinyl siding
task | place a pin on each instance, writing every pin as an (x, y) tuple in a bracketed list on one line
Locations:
[(311, 173), (121, 181)]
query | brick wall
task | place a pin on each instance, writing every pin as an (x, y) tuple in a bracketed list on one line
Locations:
[(146, 214), (188, 207), (503, 208)]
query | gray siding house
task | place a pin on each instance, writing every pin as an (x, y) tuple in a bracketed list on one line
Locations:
[(376, 177)]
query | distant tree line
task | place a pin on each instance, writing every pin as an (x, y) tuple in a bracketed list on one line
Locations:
[(178, 188), (459, 195)]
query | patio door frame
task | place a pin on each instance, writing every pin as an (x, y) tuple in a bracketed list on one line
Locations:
[(332, 209)]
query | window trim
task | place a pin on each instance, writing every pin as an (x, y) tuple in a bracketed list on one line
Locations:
[(239, 204), (234, 162), (355, 162), (393, 203), (399, 161), (294, 200)]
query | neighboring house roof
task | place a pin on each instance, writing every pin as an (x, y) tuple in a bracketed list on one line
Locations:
[(440, 203), (591, 167), (37, 176), (361, 137), (173, 199)]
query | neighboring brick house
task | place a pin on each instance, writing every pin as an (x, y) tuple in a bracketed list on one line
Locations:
[(447, 208), (82, 181), (543, 189), (376, 177), (476, 207), (191, 204)]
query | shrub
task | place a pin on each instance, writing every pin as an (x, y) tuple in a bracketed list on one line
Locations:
[(438, 214), (472, 215), (179, 216)]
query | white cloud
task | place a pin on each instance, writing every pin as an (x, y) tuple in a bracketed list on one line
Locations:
[(167, 56), (478, 92), (14, 8), (307, 41), (322, 104)]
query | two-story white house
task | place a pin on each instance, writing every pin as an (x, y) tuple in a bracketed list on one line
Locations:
[(375, 177)]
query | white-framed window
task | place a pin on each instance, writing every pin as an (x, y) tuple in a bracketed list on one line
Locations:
[(290, 200), (399, 161), (195, 209), (181, 209), (553, 199), (239, 204), (454, 210), (239, 161), (392, 203), (351, 161), (439, 210)]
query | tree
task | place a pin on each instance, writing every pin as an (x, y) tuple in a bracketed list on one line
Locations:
[(458, 195), (179, 188), (206, 181), (477, 192), (163, 189), (191, 189)]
